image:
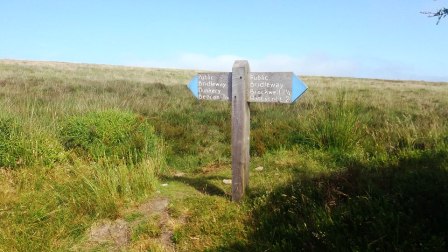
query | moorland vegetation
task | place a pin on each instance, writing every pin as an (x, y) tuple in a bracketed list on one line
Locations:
[(354, 165)]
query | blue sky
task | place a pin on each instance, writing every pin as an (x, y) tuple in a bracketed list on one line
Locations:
[(369, 38)]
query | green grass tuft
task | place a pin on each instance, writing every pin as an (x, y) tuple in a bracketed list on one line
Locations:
[(110, 134), (20, 147)]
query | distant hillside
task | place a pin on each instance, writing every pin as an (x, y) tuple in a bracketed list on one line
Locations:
[(158, 75), (97, 72)]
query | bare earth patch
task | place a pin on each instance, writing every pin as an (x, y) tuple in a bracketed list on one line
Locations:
[(117, 235), (110, 233), (159, 207)]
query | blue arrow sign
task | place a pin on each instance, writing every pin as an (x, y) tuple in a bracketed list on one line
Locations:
[(274, 87), (211, 86), (298, 88), (194, 86)]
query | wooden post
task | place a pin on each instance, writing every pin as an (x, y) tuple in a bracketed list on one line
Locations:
[(240, 129), (241, 87)]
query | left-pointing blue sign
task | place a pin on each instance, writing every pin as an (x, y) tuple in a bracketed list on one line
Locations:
[(211, 86), (194, 86)]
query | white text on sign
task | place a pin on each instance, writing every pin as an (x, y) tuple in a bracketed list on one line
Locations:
[(213, 86), (270, 87)]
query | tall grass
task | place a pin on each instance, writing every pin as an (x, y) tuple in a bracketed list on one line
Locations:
[(335, 127), (356, 164), (111, 134), (23, 145), (69, 156), (52, 208)]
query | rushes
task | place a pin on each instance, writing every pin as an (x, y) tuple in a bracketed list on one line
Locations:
[(335, 127), (53, 207), (110, 134), (99, 189), (22, 145)]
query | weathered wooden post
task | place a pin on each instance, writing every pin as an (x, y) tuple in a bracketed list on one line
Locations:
[(241, 87), (240, 129)]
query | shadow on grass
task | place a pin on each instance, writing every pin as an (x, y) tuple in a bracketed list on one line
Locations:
[(403, 207), (203, 184)]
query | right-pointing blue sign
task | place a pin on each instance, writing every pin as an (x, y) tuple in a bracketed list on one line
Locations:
[(274, 87), (298, 88)]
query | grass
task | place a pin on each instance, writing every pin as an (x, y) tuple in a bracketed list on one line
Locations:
[(109, 134), (355, 165), (22, 145)]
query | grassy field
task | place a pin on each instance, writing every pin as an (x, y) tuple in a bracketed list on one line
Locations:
[(354, 165)]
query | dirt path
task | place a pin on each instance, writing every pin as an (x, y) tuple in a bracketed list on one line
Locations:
[(151, 225), (117, 235)]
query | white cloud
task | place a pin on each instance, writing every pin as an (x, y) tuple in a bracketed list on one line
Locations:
[(309, 65), (192, 61)]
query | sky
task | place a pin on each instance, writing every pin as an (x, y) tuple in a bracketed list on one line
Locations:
[(387, 39)]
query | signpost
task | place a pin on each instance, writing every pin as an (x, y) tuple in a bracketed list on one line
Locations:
[(241, 87)]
